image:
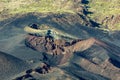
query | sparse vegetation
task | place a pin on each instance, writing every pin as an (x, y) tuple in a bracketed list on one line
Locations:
[(43, 6), (105, 12), (9, 8)]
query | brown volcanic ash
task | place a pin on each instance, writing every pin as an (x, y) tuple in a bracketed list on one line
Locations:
[(10, 65), (64, 49), (57, 52)]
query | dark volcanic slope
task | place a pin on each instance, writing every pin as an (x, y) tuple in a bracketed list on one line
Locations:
[(91, 54), (10, 66), (12, 32), (98, 57), (94, 59)]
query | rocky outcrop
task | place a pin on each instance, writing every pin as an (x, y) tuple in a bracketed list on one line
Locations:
[(64, 49), (53, 48), (97, 56)]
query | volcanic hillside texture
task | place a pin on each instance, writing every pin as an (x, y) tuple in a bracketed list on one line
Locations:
[(76, 53), (9, 66), (87, 60)]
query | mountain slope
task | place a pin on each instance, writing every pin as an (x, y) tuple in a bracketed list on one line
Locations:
[(84, 56), (105, 12), (10, 66), (94, 62), (9, 8)]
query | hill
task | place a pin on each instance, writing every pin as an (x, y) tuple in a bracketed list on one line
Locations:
[(13, 36), (9, 8), (65, 17)]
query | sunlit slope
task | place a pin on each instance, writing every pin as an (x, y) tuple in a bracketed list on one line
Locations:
[(9, 8), (22, 6), (105, 12)]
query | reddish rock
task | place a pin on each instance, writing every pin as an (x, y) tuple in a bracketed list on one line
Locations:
[(60, 50)]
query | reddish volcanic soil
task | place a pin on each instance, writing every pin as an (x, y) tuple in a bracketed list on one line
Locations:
[(62, 48), (58, 52)]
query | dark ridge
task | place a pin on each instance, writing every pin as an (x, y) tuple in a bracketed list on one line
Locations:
[(84, 1), (115, 62), (35, 26), (85, 9), (86, 12), (94, 24), (22, 20), (85, 19)]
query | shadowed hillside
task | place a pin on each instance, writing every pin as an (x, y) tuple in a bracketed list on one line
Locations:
[(10, 66)]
